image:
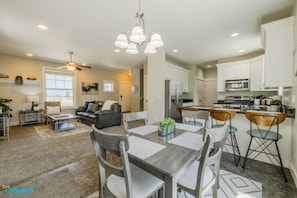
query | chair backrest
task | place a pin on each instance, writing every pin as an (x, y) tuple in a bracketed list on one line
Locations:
[(134, 116), (265, 120), (218, 117), (219, 135), (52, 107), (206, 159), (117, 144)]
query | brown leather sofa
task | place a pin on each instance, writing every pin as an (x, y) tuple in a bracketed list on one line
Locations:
[(95, 112)]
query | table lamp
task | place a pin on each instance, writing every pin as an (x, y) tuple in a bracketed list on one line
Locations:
[(32, 99)]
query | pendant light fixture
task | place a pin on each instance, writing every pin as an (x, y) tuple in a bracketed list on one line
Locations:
[(138, 38)]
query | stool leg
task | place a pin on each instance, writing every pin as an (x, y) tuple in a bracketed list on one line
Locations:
[(247, 152), (235, 148), (281, 163)]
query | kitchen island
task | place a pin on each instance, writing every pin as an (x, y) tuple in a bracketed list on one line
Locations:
[(243, 124)]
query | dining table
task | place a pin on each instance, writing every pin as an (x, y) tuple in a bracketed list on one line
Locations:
[(165, 157)]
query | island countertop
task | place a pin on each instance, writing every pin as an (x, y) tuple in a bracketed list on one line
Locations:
[(290, 112)]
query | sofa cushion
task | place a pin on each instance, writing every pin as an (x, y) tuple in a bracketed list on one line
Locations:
[(87, 105), (92, 108), (107, 104)]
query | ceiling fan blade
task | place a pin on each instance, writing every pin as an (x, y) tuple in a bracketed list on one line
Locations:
[(85, 66), (79, 69)]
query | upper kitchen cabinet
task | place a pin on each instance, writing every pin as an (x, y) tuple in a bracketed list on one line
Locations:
[(220, 78), (177, 73), (257, 69), (278, 41)]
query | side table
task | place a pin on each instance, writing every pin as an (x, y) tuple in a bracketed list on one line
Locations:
[(31, 117)]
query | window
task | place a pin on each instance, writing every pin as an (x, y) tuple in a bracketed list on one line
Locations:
[(59, 86), (108, 86)]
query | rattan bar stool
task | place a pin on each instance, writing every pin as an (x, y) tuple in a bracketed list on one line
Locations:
[(218, 117), (262, 126)]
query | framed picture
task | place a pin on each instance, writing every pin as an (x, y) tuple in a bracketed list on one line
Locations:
[(89, 87)]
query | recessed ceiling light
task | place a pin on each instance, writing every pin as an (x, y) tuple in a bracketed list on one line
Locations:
[(43, 27), (208, 66), (29, 54), (175, 50), (235, 34), (241, 50), (83, 64), (117, 50)]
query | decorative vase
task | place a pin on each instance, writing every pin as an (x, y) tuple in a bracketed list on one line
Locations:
[(163, 131), (36, 108), (274, 107)]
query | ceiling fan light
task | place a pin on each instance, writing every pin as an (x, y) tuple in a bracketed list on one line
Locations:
[(132, 49), (137, 35), (70, 67), (122, 41), (156, 40), (149, 49)]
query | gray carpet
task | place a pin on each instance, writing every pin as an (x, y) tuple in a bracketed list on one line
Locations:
[(58, 184), (17, 159)]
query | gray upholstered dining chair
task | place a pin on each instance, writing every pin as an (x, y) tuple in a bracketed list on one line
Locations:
[(127, 180), (128, 118), (203, 174)]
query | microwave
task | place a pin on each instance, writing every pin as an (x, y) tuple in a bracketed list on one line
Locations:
[(237, 85)]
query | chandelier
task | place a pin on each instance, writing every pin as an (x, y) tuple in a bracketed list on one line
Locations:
[(138, 38)]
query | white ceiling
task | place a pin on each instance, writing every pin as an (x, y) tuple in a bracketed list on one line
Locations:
[(199, 29)]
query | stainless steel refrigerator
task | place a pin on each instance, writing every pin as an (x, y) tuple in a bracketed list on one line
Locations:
[(173, 99)]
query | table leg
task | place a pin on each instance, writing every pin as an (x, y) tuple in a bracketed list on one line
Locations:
[(170, 187)]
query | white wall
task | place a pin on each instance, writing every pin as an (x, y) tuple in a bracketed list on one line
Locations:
[(292, 102)]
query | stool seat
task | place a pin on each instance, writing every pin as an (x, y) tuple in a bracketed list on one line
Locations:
[(264, 135), (194, 123), (231, 129)]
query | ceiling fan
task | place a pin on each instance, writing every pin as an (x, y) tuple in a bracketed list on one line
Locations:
[(71, 66)]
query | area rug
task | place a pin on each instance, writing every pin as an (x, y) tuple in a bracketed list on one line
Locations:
[(47, 132), (231, 186), (57, 184)]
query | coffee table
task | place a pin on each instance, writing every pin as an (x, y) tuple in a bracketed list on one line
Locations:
[(62, 122)]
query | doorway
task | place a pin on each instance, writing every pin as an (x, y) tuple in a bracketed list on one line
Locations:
[(125, 95)]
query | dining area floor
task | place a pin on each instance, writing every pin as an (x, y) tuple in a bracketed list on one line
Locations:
[(85, 169)]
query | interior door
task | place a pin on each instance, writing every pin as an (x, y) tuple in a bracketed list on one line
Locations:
[(210, 92), (125, 95)]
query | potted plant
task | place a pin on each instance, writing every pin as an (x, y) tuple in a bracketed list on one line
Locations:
[(3, 106), (36, 106), (166, 126), (275, 105)]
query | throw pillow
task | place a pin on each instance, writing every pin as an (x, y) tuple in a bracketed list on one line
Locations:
[(87, 105), (107, 104), (92, 108), (53, 110)]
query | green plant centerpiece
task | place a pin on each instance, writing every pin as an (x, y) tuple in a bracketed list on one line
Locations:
[(3, 106), (166, 126), (275, 105)]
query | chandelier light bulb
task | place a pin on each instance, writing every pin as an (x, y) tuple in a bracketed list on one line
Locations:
[(132, 49), (122, 41), (149, 49), (156, 40), (137, 35)]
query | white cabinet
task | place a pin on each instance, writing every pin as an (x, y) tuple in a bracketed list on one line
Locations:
[(237, 70), (220, 78), (257, 69), (178, 74), (278, 41)]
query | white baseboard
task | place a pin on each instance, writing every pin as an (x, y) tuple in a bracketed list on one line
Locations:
[(294, 174)]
